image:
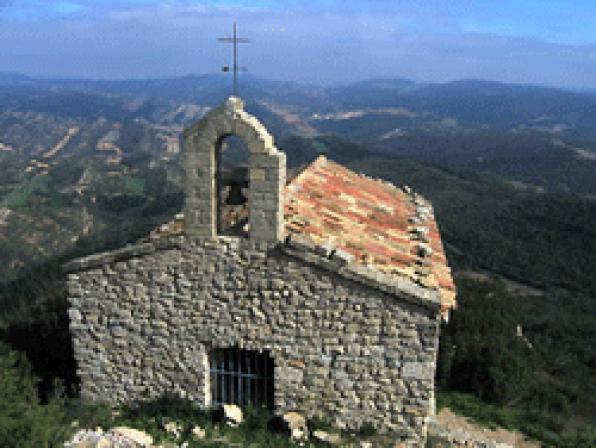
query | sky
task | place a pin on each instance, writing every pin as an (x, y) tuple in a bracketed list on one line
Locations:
[(544, 42)]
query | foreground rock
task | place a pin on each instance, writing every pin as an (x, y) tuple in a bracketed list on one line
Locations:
[(120, 437), (232, 414), (296, 425), (327, 437), (198, 433), (173, 428), (141, 438)]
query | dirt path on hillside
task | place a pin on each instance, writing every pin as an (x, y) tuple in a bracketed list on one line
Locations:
[(512, 286), (454, 422)]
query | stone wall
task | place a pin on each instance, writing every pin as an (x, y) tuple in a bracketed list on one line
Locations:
[(144, 318)]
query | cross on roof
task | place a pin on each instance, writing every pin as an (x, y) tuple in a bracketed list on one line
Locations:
[(234, 40)]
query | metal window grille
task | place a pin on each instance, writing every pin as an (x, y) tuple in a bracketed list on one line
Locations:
[(241, 377)]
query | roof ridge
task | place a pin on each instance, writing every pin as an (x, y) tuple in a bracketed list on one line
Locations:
[(298, 171)]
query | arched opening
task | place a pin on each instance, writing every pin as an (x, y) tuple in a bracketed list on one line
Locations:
[(232, 187), (219, 199)]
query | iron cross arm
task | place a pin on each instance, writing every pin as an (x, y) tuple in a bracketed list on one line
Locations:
[(240, 40), (235, 40)]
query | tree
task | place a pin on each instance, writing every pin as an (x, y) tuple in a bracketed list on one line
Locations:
[(24, 421)]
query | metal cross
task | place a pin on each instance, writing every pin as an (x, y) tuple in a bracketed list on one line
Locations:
[(234, 40)]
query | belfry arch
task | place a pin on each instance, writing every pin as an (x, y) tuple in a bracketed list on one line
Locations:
[(266, 172), (233, 186)]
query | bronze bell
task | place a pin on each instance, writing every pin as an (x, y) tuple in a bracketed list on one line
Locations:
[(235, 196)]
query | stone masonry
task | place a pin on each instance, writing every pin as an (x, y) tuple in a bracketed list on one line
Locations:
[(347, 341), (143, 320)]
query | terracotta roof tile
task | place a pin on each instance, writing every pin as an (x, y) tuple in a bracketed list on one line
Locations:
[(381, 225)]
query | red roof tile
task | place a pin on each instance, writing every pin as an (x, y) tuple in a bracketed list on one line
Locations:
[(380, 224)]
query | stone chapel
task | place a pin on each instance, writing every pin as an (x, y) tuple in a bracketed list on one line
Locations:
[(327, 299)]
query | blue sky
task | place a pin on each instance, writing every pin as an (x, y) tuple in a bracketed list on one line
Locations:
[(549, 42)]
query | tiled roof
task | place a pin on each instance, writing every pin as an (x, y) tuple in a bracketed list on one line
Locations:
[(372, 222), (376, 223)]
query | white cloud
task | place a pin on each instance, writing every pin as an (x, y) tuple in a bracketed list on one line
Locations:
[(179, 37)]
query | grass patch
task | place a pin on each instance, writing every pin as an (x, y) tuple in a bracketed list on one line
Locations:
[(259, 428), (322, 423), (134, 185), (21, 196)]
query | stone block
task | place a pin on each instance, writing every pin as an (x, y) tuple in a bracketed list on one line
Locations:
[(232, 414), (256, 175), (141, 438), (291, 375), (418, 370)]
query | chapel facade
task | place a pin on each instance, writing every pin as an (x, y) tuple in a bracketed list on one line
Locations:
[(326, 301)]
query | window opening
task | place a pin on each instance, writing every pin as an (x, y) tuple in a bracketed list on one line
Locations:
[(241, 377), (232, 187)]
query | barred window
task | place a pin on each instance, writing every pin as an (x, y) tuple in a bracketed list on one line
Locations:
[(241, 377)]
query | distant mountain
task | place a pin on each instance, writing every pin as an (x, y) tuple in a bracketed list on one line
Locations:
[(469, 101), (478, 102), (207, 89), (500, 104), (61, 101), (540, 136), (13, 78), (370, 93)]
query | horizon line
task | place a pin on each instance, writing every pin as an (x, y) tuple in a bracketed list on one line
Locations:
[(299, 83)]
